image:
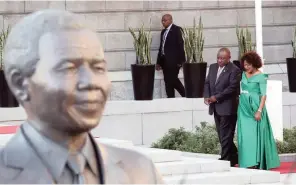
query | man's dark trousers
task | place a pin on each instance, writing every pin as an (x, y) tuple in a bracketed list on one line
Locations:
[(171, 80), (225, 125)]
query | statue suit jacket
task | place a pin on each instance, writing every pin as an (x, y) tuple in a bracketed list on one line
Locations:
[(19, 164), (226, 89)]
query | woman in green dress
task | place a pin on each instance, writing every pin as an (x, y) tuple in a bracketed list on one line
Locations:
[(256, 144)]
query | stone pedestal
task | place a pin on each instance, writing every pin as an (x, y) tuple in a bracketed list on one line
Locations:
[(274, 105)]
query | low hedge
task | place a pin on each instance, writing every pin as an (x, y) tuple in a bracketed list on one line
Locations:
[(204, 139)]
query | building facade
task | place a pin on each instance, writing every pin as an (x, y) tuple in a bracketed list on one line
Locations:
[(112, 19)]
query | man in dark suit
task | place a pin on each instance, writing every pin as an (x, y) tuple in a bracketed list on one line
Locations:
[(221, 94), (171, 56)]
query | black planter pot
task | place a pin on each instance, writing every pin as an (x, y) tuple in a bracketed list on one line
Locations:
[(7, 99), (291, 70), (194, 79), (143, 81), (238, 64)]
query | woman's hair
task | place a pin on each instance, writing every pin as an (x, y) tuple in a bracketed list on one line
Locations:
[(251, 58)]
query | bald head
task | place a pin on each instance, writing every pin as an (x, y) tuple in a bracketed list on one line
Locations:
[(167, 20), (224, 50), (168, 16), (223, 56)]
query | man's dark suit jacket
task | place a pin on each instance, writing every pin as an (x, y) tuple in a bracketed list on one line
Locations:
[(226, 90), (173, 48)]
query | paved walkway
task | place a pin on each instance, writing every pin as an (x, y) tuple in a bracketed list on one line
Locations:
[(288, 178)]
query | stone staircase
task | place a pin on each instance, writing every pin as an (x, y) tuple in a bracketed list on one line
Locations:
[(176, 168)]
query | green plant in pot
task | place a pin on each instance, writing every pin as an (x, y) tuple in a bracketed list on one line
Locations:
[(143, 72), (3, 36), (194, 68), (7, 99), (291, 65), (245, 44)]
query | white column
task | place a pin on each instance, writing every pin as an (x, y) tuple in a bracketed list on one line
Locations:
[(259, 40), (274, 102)]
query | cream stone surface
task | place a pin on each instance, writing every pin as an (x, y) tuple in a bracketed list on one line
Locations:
[(144, 122), (1, 22), (293, 116), (287, 117), (105, 21), (85, 6), (124, 5), (10, 20), (120, 126), (199, 4), (31, 6), (156, 124), (12, 6), (274, 106)]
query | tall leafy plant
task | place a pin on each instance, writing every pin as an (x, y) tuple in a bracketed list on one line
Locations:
[(294, 44), (142, 44), (245, 43), (3, 36), (194, 42)]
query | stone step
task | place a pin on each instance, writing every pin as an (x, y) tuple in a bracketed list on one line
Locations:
[(191, 166), (171, 162), (271, 184), (174, 167), (159, 155), (234, 176), (115, 142)]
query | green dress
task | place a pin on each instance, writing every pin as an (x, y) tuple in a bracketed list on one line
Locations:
[(256, 144)]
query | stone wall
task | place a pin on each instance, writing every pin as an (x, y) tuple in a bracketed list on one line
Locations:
[(143, 122), (112, 19)]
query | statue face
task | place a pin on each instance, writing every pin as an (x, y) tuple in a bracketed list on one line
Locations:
[(69, 88)]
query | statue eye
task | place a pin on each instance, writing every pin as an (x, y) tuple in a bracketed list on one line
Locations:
[(67, 67), (99, 67), (71, 67)]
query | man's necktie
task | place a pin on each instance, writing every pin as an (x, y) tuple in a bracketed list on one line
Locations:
[(219, 73), (77, 164), (163, 40)]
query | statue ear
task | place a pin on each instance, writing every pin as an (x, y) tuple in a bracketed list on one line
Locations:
[(19, 85)]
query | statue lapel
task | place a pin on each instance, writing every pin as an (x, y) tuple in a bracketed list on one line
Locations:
[(25, 159), (114, 168)]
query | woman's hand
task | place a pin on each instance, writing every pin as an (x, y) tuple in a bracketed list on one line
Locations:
[(258, 116)]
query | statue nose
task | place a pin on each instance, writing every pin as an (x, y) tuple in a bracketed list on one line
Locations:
[(86, 79)]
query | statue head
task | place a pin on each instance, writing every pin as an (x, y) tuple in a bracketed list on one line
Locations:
[(54, 64)]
